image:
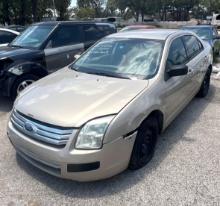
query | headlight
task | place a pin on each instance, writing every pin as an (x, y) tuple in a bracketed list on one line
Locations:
[(92, 134), (17, 70)]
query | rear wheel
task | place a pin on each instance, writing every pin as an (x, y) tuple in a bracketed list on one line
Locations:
[(145, 143), (22, 83), (204, 89)]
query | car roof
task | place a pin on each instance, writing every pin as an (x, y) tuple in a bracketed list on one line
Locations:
[(139, 26), (9, 30), (54, 23), (199, 26), (157, 34)]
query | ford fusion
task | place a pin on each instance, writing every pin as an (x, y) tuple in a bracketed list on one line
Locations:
[(103, 114)]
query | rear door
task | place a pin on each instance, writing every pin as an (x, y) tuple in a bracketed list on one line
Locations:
[(198, 62), (63, 45)]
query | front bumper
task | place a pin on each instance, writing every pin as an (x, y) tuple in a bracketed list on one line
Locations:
[(69, 163)]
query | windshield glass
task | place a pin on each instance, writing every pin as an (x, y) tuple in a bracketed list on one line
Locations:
[(203, 33), (129, 58), (33, 36)]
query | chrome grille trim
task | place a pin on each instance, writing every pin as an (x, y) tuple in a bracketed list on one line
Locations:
[(43, 133)]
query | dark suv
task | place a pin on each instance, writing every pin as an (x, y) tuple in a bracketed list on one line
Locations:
[(44, 48)]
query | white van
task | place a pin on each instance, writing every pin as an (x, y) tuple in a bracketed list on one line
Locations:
[(216, 20)]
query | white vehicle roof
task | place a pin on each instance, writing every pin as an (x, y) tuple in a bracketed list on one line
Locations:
[(9, 30), (157, 34)]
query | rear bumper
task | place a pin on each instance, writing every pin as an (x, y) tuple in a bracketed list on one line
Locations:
[(69, 163)]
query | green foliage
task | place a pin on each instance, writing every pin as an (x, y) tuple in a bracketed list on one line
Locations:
[(85, 13), (61, 7), (90, 8), (174, 9), (28, 11)]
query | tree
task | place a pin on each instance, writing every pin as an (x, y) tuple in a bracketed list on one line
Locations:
[(62, 8), (89, 5), (6, 12), (85, 13)]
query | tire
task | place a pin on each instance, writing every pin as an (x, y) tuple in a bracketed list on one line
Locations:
[(204, 89), (26, 80), (145, 143)]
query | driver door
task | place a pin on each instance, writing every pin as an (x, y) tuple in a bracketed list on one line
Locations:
[(177, 90)]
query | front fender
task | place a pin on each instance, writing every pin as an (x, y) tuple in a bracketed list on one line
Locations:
[(27, 68), (132, 115), (15, 71)]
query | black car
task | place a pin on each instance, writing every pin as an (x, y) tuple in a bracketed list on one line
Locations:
[(44, 48), (17, 28)]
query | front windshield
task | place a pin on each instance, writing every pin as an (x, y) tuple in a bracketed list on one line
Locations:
[(203, 33), (131, 58), (33, 36)]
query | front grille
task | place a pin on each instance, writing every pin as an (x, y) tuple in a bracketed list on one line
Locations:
[(39, 131)]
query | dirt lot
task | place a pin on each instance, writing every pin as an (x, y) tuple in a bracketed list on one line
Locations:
[(184, 171)]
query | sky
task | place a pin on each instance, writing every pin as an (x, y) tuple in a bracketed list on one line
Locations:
[(73, 3)]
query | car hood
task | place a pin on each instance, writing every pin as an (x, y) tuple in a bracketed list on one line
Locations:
[(8, 51), (70, 99)]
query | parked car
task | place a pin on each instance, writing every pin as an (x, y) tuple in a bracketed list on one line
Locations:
[(137, 27), (103, 114), (44, 48), (215, 20), (207, 33), (17, 28), (7, 36)]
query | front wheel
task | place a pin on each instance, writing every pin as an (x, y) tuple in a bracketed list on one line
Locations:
[(204, 89), (21, 83), (145, 143)]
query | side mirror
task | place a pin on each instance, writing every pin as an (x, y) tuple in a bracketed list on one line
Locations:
[(177, 70)]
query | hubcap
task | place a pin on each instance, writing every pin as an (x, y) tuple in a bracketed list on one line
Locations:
[(23, 85)]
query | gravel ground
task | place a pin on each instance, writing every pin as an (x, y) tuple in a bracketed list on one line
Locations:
[(184, 171)]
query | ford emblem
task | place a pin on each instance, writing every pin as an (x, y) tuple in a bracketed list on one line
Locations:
[(29, 127)]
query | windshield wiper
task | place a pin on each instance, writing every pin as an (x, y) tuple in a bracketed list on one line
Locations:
[(110, 75), (14, 45)]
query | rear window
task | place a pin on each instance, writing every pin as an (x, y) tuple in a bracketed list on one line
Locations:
[(92, 33), (193, 45), (106, 30)]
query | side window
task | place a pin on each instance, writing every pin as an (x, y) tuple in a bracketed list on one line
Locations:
[(192, 45), (177, 53), (6, 37), (106, 30), (92, 33), (65, 35), (200, 45), (214, 32)]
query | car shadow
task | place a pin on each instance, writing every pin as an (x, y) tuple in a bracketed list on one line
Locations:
[(6, 104), (172, 135)]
